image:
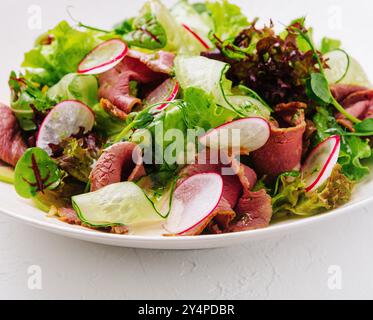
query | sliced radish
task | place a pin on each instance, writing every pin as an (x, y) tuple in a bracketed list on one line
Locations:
[(203, 42), (166, 92), (194, 201), (104, 57), (246, 135), (64, 120), (320, 163)]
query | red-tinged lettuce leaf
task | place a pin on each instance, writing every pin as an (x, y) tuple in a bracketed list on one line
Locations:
[(274, 66), (36, 172), (148, 33)]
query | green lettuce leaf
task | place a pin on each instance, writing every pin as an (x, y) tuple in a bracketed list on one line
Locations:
[(27, 100), (292, 197), (354, 150), (106, 124), (329, 44), (198, 21), (227, 17), (75, 87), (50, 60), (167, 150), (178, 39), (200, 110)]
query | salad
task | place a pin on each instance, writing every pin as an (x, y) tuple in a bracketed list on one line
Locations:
[(192, 117)]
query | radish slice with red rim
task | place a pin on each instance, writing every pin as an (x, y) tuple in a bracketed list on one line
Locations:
[(64, 120), (166, 92), (193, 202), (320, 163), (104, 57), (245, 135), (194, 34)]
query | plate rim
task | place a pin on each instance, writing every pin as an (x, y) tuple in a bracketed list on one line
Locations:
[(93, 235)]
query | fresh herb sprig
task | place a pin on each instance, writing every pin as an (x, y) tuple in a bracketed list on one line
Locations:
[(318, 84)]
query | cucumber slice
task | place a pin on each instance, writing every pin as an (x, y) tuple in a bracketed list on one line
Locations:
[(345, 69), (6, 174), (122, 203)]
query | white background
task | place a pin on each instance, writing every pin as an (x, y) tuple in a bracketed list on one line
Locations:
[(293, 266)]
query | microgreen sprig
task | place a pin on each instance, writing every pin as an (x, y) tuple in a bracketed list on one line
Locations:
[(318, 82)]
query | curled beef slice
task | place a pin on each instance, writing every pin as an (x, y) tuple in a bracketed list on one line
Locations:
[(136, 66), (358, 103), (283, 151), (121, 162), (12, 145), (254, 211)]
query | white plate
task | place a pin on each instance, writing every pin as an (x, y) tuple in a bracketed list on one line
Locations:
[(24, 211), (20, 38)]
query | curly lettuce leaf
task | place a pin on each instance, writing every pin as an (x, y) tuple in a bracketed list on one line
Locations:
[(28, 102), (200, 110), (75, 87), (292, 197), (78, 157), (227, 17), (50, 60), (354, 150)]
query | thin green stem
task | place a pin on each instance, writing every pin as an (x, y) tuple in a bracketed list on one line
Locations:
[(80, 24), (120, 136), (343, 111), (334, 102)]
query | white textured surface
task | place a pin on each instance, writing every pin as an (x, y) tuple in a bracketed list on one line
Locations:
[(292, 266)]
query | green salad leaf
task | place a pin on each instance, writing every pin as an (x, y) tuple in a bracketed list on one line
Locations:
[(210, 76), (147, 33), (200, 110), (125, 26), (329, 44), (36, 172), (364, 128), (227, 17), (106, 124), (198, 20), (320, 87), (292, 197), (75, 87), (354, 150), (167, 149), (78, 157), (50, 60), (28, 101), (178, 39)]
